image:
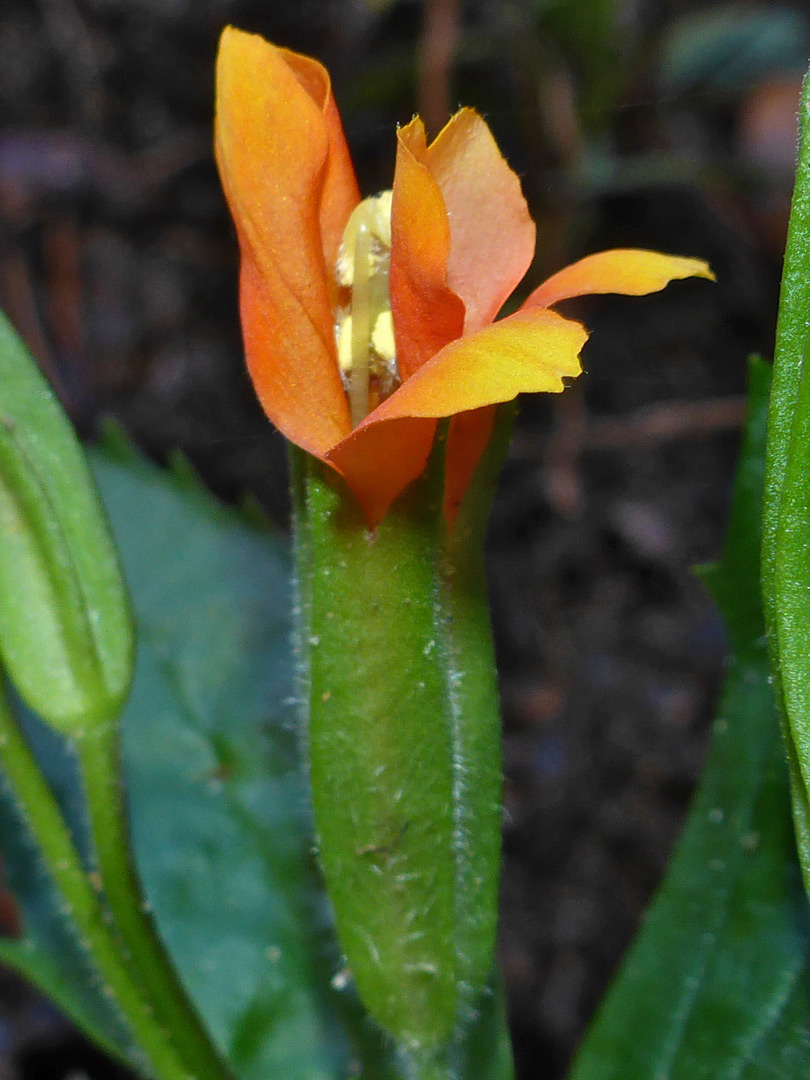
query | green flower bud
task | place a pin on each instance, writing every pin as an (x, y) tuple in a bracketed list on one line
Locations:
[(66, 636)]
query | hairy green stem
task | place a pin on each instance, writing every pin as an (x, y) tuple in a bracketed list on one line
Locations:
[(80, 903), (99, 754)]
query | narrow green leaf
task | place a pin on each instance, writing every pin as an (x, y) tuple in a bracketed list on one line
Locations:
[(65, 633), (786, 521), (717, 984)]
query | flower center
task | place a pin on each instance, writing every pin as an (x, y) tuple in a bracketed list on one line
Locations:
[(364, 328)]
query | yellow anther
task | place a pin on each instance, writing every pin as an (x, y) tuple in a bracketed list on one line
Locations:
[(382, 337), (343, 333), (364, 329)]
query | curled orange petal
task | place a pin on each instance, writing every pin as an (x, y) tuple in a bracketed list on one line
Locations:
[(492, 235), (340, 192), (283, 349), (528, 352), (283, 163), (427, 313), (630, 271)]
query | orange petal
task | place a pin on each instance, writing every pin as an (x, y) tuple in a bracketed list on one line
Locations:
[(528, 352), (491, 234), (379, 462), (340, 191), (282, 161), (467, 440), (427, 313), (277, 334), (624, 270)]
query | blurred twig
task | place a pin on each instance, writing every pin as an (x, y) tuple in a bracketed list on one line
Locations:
[(650, 425), (436, 48), (573, 434), (672, 420)]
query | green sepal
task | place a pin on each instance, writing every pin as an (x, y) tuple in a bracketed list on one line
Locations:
[(66, 636), (399, 694)]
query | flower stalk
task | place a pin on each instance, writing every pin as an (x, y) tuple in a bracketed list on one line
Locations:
[(99, 754)]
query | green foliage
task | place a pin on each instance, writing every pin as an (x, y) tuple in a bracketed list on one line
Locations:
[(717, 984), (587, 32), (217, 800), (218, 804), (65, 633)]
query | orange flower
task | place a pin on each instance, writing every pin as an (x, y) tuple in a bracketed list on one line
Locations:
[(433, 277)]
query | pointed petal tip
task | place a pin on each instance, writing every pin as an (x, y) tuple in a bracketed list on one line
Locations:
[(625, 271), (685, 267)]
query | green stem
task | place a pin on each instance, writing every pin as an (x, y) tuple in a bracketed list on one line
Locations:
[(42, 814), (99, 754)]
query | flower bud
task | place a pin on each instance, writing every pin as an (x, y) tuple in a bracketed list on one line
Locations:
[(66, 637)]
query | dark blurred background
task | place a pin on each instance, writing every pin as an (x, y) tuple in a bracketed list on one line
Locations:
[(655, 123)]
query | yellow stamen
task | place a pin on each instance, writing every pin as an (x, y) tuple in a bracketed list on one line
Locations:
[(361, 325), (364, 329)]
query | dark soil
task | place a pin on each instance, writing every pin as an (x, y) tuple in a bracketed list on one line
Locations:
[(118, 264)]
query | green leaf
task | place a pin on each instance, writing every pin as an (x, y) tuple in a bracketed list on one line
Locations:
[(217, 800), (66, 637), (717, 984), (588, 32), (786, 522)]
